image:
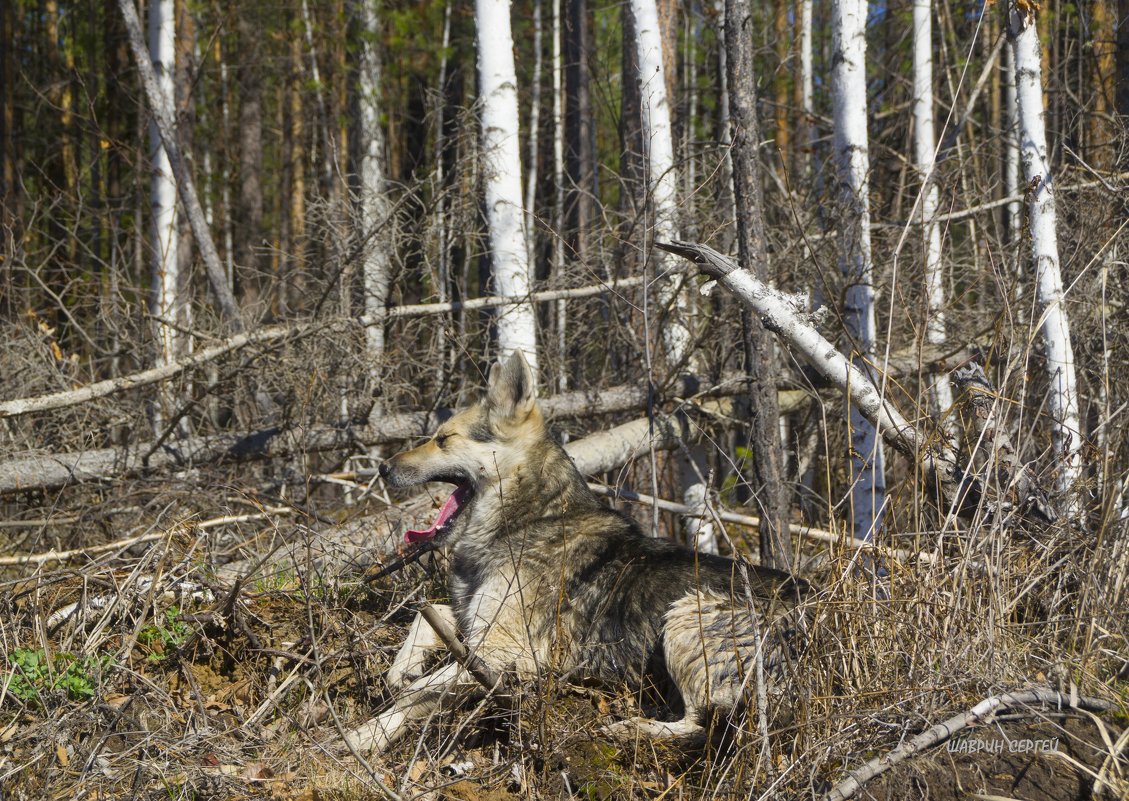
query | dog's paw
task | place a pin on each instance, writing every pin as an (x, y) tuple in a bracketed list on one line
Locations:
[(632, 728), (400, 676)]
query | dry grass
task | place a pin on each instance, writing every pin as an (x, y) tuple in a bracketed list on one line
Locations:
[(165, 684)]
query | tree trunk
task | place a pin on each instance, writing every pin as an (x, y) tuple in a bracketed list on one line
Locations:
[(1014, 212), (782, 32), (925, 146), (517, 324), (559, 190), (662, 183), (165, 303), (8, 187), (250, 230), (578, 130), (1102, 145), (29, 473), (849, 101), (807, 104), (1062, 401), (186, 187), (1123, 65), (375, 208), (534, 153), (764, 414)]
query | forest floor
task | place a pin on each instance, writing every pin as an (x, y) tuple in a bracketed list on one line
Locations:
[(224, 659)]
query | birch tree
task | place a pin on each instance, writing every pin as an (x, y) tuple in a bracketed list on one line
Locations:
[(849, 104), (373, 199), (1062, 399), (662, 182), (925, 148), (501, 161), (662, 189), (534, 131), (559, 188), (165, 303)]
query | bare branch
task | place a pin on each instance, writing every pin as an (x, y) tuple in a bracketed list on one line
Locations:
[(463, 655), (941, 732)]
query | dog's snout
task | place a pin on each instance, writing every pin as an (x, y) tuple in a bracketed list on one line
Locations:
[(383, 469)]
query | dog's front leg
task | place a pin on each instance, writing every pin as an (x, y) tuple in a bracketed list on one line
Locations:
[(422, 697), (411, 660)]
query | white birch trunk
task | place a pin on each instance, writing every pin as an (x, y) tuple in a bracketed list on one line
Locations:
[(1062, 402), (558, 183), (165, 303), (662, 183), (501, 159), (925, 149), (807, 104), (374, 205), (848, 93)]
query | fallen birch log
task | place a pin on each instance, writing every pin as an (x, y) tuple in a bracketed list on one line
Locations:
[(364, 542), (52, 471), (785, 316)]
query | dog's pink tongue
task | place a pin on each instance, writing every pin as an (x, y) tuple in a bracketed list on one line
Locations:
[(450, 507)]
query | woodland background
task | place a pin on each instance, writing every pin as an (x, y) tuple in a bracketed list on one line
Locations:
[(337, 151)]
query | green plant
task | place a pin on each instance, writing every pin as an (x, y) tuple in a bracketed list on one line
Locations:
[(162, 636), (28, 674), (32, 673)]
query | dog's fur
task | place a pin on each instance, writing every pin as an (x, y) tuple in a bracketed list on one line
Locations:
[(546, 577)]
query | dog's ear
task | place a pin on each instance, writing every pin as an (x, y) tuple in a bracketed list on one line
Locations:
[(510, 390)]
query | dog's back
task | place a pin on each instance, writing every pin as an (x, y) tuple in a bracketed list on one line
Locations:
[(599, 599)]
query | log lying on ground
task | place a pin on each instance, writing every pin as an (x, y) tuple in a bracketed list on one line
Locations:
[(52, 471), (361, 543)]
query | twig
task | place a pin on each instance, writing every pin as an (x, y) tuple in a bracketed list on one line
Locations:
[(744, 520), (941, 732), (402, 560), (482, 673), (61, 556)]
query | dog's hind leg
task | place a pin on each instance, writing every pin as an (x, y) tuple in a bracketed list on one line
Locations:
[(411, 660), (422, 697)]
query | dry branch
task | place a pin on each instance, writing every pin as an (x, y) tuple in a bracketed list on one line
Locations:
[(463, 655), (945, 730), (100, 389), (784, 316), (493, 301)]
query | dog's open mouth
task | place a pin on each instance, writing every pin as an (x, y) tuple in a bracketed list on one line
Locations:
[(447, 515)]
